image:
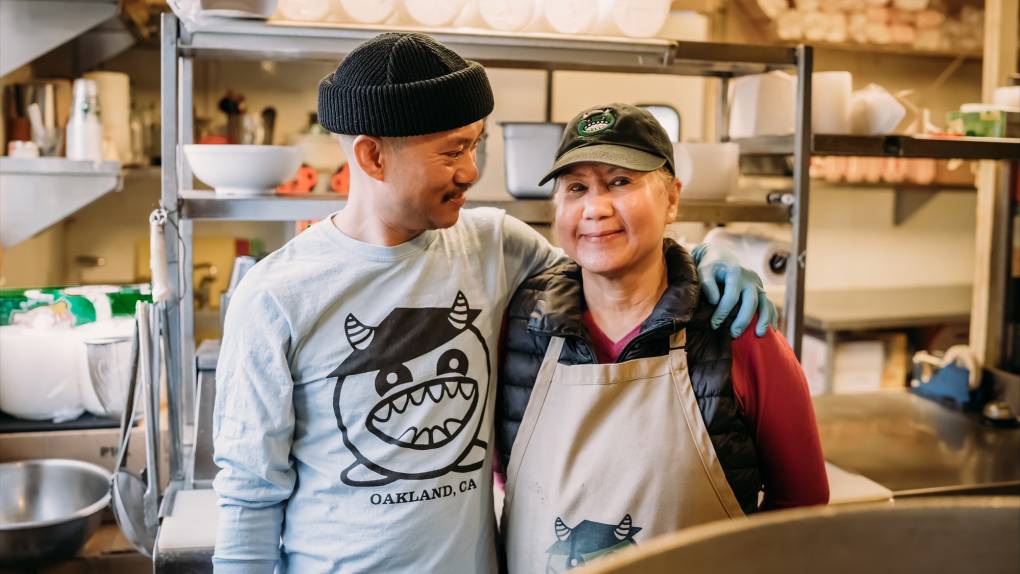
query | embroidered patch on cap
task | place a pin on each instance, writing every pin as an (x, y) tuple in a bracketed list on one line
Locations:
[(595, 121)]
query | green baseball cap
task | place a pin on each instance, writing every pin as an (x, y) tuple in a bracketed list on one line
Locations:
[(617, 134)]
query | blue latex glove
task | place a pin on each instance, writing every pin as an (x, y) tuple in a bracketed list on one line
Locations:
[(720, 266)]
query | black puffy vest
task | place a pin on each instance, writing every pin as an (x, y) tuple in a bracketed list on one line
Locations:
[(551, 304)]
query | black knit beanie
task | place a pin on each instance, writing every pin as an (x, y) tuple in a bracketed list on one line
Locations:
[(403, 84)]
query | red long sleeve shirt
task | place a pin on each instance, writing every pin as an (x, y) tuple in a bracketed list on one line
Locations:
[(773, 396)]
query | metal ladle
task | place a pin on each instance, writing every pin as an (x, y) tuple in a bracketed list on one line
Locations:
[(135, 498)]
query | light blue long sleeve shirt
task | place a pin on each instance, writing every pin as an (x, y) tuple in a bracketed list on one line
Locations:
[(354, 406)]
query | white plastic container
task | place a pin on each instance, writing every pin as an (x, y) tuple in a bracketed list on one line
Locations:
[(84, 130), (830, 102), (530, 151), (874, 111), (707, 171), (762, 104)]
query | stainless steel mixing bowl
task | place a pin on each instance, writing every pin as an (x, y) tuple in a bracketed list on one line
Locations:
[(912, 536), (48, 509)]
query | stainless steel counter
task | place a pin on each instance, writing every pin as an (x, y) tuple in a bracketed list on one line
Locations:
[(917, 447)]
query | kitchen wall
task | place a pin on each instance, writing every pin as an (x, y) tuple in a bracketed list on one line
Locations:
[(853, 241), (852, 238)]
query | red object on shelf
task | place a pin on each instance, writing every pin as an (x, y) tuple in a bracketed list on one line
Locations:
[(341, 181), (304, 182), (214, 140)]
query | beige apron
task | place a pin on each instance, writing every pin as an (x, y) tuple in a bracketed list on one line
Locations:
[(608, 456)]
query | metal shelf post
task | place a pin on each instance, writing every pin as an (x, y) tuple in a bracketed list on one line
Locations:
[(796, 265)]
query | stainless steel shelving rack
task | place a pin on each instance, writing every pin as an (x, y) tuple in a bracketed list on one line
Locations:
[(253, 39)]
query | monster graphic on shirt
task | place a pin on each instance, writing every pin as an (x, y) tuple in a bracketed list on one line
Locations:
[(410, 398), (587, 541)]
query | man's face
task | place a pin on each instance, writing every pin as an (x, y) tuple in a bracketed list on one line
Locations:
[(427, 176)]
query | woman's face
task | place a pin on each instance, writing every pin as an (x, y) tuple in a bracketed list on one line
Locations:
[(610, 219)]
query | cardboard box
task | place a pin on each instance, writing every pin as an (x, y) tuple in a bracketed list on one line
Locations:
[(107, 552), (98, 446)]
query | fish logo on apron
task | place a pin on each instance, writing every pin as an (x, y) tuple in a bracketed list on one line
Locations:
[(410, 398), (587, 541)]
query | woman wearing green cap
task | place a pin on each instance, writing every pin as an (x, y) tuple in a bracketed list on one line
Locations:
[(623, 412)]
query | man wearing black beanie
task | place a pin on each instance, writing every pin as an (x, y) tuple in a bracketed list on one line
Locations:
[(355, 385)]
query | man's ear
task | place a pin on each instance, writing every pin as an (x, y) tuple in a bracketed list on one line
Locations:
[(368, 153)]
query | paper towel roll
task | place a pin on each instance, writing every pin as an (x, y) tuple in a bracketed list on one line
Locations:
[(433, 13), (114, 91), (706, 170), (830, 102), (369, 12), (569, 16), (506, 15), (632, 18), (766, 257), (304, 10)]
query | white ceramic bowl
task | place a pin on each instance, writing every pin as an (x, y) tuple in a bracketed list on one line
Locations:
[(243, 169)]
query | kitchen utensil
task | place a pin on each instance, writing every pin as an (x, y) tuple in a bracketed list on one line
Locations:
[(233, 105), (530, 150), (243, 169), (112, 361), (49, 508), (157, 255), (762, 104), (135, 498), (830, 102), (708, 171), (268, 125), (84, 130), (54, 100), (113, 89), (46, 138)]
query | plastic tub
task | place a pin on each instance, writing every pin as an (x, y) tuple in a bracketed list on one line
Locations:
[(530, 150)]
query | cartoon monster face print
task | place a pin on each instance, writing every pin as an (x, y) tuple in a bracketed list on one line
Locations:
[(595, 121), (409, 400), (587, 541)]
